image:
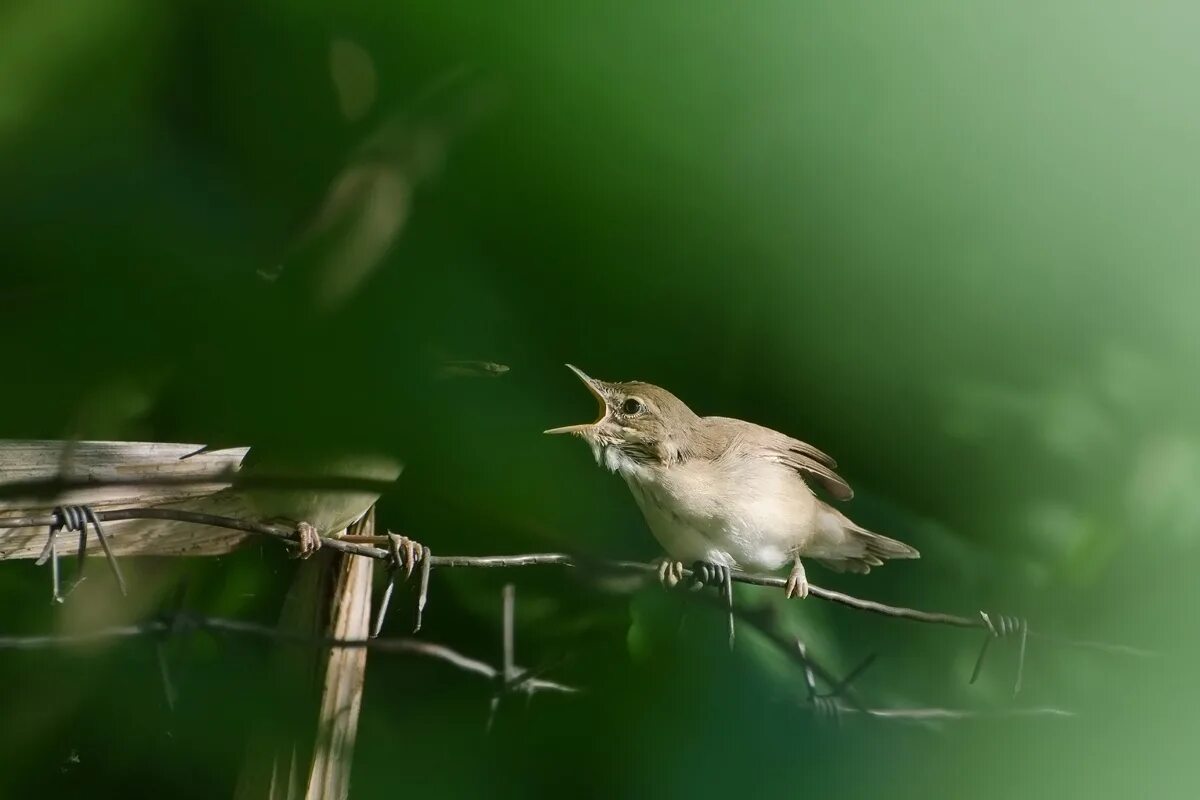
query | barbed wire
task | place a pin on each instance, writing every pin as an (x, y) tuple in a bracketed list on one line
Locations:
[(507, 679), (995, 626)]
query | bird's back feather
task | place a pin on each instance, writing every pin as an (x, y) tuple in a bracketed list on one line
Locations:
[(718, 435)]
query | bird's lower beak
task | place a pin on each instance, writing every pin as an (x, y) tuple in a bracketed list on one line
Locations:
[(594, 387)]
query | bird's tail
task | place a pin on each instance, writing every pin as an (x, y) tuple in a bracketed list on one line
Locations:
[(856, 549)]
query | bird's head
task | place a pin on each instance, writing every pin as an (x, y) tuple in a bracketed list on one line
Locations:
[(639, 423)]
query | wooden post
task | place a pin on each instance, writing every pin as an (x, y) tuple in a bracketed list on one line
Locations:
[(287, 756)]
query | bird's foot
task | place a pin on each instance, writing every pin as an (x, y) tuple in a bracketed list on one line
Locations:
[(706, 573), (670, 572), (797, 582), (406, 553), (309, 539)]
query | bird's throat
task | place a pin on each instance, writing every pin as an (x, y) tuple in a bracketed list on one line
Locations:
[(626, 464)]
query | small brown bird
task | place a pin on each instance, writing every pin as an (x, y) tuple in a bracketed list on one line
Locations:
[(724, 493)]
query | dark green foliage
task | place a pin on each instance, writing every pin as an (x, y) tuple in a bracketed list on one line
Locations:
[(952, 245)]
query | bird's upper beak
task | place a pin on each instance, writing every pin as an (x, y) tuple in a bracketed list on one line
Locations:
[(596, 388)]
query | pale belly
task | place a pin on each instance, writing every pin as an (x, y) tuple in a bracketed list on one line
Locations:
[(753, 518)]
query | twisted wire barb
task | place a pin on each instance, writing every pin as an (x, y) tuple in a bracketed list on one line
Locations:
[(74, 519), (829, 704), (999, 626)]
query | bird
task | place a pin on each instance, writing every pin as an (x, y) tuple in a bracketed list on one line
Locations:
[(726, 494)]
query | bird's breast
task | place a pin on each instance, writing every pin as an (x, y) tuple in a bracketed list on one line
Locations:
[(749, 514)]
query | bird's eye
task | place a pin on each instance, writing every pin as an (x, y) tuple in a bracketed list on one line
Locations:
[(632, 406)]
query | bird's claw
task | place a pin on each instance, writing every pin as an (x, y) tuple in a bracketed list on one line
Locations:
[(670, 573), (309, 539), (797, 582), (406, 553)]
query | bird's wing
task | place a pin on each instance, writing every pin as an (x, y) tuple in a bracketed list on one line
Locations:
[(811, 463), (758, 432), (36, 476)]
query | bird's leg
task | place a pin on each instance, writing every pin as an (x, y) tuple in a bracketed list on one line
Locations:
[(670, 572), (309, 538), (797, 582)]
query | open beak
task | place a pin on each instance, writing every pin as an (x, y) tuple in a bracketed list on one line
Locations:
[(593, 386)]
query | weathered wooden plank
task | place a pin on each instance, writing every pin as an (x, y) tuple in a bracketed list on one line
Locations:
[(109, 462)]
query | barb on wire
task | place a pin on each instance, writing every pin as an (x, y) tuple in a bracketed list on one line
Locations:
[(507, 666), (999, 626), (405, 553), (822, 705), (423, 590), (831, 704), (511, 679), (74, 519), (50, 552), (840, 688), (90, 516), (828, 704)]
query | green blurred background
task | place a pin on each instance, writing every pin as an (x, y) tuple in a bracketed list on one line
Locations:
[(954, 244)]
